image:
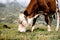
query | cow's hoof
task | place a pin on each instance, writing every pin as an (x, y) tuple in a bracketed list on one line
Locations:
[(32, 30), (49, 30)]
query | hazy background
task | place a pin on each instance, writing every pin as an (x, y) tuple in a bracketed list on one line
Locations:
[(10, 10), (22, 2)]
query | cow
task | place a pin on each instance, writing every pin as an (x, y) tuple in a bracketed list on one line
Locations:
[(29, 16)]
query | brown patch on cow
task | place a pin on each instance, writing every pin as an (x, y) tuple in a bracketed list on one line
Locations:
[(47, 6)]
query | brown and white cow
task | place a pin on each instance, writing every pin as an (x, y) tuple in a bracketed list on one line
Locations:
[(48, 7)]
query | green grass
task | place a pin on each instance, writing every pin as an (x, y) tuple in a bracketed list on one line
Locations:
[(40, 33)]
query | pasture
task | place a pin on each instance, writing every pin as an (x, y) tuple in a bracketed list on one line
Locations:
[(40, 33)]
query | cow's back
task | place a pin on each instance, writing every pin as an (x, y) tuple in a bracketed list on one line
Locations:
[(31, 5), (47, 5), (52, 5)]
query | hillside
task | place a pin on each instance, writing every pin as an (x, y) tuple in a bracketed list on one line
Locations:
[(9, 12)]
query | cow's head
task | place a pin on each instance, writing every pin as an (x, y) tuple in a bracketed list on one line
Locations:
[(25, 21)]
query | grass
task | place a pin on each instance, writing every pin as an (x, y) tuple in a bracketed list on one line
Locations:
[(40, 33)]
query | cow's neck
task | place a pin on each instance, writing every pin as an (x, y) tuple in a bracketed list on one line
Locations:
[(29, 15)]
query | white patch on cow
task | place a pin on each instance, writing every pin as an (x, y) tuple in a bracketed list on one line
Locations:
[(21, 28), (57, 22), (30, 21), (56, 2), (36, 16), (49, 29)]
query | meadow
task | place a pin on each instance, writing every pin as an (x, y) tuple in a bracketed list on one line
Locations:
[(9, 16), (40, 33)]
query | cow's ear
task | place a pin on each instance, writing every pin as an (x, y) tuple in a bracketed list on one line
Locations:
[(25, 13)]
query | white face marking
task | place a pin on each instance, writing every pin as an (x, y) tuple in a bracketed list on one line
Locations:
[(21, 28), (21, 17)]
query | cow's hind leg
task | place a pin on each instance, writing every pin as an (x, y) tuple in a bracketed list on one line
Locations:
[(57, 22), (48, 20)]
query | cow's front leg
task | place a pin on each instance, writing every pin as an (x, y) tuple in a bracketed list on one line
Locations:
[(33, 25), (32, 29), (34, 21)]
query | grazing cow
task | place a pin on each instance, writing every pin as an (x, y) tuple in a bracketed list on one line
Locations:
[(48, 7)]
